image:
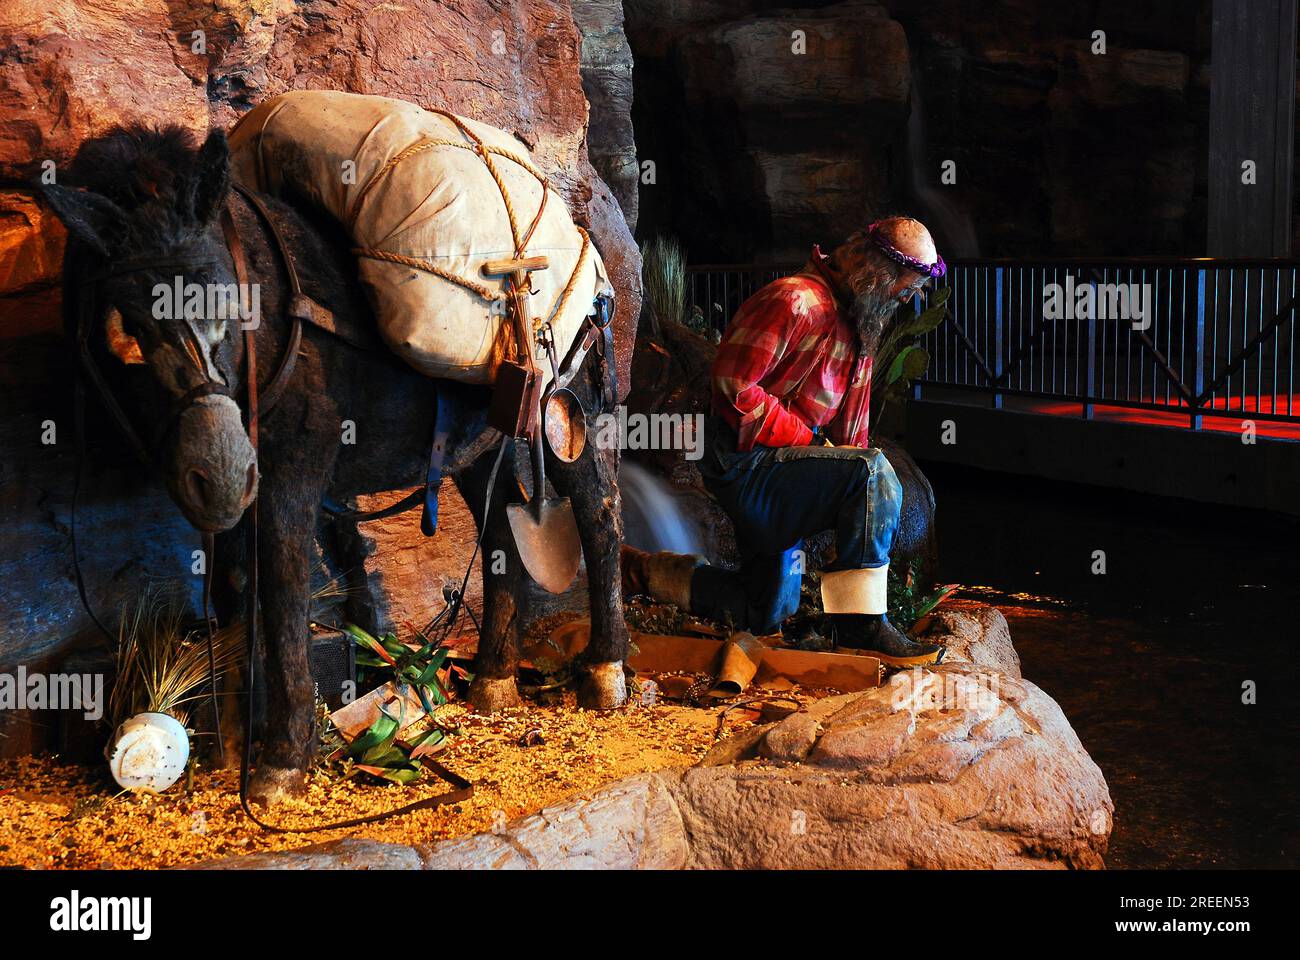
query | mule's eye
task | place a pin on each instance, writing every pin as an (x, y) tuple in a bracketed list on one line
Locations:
[(120, 343)]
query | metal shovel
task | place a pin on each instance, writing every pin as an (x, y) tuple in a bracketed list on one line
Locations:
[(545, 532)]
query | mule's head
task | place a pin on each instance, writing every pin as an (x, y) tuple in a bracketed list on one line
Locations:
[(165, 300)]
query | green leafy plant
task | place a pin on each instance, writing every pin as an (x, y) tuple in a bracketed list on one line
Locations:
[(379, 751), (900, 358), (906, 605)]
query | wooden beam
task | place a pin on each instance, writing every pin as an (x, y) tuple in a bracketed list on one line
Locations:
[(1252, 118)]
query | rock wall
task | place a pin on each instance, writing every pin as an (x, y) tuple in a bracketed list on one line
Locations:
[(769, 128), (73, 69), (761, 150), (607, 81)]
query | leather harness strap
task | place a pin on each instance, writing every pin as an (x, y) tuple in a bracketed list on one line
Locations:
[(300, 306), (442, 420)]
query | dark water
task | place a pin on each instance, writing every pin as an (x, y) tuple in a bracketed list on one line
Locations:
[(1148, 661)]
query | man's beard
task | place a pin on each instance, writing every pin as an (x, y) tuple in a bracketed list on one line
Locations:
[(871, 309)]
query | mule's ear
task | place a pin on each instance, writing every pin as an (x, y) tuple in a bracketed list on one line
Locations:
[(210, 182), (120, 343), (89, 217)]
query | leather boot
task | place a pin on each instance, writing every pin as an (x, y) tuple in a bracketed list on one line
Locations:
[(873, 634), (856, 603), (664, 576)]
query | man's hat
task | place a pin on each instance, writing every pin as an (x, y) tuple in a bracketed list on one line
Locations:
[(936, 269)]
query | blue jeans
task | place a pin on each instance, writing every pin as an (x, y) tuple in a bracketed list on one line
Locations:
[(777, 496)]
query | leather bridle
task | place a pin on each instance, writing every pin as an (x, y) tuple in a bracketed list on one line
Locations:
[(300, 307)]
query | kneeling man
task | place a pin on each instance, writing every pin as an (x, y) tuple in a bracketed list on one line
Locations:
[(786, 452)]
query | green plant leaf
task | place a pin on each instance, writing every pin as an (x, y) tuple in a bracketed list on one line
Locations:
[(895, 370), (936, 598), (928, 319), (366, 641), (915, 363)]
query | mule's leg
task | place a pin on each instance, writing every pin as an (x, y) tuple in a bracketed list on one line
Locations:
[(288, 503), (230, 578), (591, 484), (494, 688)]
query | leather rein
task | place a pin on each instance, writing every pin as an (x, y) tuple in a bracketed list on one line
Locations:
[(301, 308)]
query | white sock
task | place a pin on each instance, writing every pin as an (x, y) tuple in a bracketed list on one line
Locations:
[(856, 591)]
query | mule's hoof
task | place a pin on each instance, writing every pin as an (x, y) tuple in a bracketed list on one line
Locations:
[(602, 687), (491, 696), (269, 785)]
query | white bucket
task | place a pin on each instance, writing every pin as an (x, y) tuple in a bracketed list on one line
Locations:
[(148, 753)]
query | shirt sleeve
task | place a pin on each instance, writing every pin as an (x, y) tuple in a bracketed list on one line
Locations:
[(755, 343)]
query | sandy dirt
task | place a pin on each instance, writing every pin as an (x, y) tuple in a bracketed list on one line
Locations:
[(58, 815)]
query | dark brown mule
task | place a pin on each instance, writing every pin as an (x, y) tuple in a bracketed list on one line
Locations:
[(151, 214)]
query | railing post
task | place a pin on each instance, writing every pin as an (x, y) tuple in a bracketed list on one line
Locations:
[(1198, 383), (1091, 369), (996, 396)]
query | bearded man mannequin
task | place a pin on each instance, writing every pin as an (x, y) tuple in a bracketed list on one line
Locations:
[(786, 452)]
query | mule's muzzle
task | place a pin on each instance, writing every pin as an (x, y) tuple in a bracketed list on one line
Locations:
[(214, 475)]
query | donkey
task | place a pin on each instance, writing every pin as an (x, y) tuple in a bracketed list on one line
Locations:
[(151, 213)]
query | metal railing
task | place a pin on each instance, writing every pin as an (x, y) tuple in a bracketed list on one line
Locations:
[(1217, 338), (718, 289), (1198, 337)]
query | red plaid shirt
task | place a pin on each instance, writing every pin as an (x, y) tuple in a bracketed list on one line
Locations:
[(789, 363)]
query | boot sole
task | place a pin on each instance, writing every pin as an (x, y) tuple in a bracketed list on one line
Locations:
[(892, 661)]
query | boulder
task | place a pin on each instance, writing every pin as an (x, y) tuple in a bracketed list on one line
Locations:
[(959, 766), (953, 767), (974, 633)]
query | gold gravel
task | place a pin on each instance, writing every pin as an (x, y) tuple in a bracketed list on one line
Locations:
[(59, 815)]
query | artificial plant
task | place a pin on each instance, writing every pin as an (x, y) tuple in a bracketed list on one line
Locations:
[(900, 358)]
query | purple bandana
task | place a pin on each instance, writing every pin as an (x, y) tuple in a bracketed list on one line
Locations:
[(936, 269)]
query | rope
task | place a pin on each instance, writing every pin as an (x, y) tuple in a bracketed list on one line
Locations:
[(410, 151), (496, 175), (485, 151), (480, 289)]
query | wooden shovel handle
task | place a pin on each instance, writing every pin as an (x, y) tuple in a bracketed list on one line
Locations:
[(496, 268)]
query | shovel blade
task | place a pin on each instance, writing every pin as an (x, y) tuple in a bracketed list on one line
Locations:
[(549, 545)]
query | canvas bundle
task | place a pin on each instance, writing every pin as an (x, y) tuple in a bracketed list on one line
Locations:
[(425, 212)]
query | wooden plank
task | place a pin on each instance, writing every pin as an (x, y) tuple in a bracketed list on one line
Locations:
[(358, 716), (656, 653)]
